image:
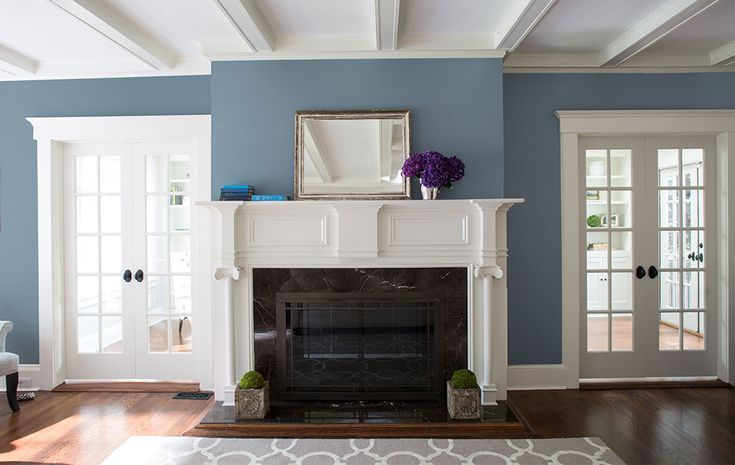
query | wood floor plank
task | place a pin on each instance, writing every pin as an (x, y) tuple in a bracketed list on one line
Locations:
[(643, 426), (83, 428)]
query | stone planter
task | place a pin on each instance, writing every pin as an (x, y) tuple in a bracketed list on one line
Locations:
[(251, 404), (463, 404)]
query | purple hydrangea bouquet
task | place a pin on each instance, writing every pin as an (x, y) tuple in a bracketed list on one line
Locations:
[(434, 171)]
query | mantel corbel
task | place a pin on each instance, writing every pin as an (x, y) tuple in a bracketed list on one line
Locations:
[(487, 271), (232, 272)]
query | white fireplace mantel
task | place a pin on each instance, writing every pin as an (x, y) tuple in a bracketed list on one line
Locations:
[(364, 233)]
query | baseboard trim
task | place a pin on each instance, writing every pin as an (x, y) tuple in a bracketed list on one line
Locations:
[(30, 377), (652, 382), (538, 377)]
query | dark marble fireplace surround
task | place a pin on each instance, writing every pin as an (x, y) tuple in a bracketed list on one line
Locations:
[(450, 284)]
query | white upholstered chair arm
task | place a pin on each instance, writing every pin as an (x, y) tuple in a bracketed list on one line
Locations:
[(5, 328)]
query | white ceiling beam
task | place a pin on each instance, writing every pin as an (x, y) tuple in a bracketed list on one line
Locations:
[(387, 20), (520, 20), (112, 25), (16, 64), (659, 24), (250, 24), (724, 55)]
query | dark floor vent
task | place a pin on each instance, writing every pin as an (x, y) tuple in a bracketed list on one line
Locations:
[(193, 395)]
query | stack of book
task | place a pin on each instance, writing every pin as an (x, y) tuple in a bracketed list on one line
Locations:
[(236, 192)]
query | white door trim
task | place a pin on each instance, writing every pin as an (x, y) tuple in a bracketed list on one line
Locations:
[(51, 134), (574, 124)]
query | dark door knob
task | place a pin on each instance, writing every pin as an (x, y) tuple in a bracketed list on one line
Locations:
[(127, 276), (640, 272), (139, 275), (652, 272)]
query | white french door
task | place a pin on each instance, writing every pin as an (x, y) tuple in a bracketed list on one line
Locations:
[(128, 288), (648, 257)]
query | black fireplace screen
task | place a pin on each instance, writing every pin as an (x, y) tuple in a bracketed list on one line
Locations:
[(359, 345)]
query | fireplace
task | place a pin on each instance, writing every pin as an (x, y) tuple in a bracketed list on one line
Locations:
[(358, 333), (456, 248), (375, 345)]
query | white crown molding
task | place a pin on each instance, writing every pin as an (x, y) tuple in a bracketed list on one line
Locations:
[(353, 47), (387, 21), (587, 63), (660, 23), (249, 23), (185, 66), (108, 22), (724, 55), (16, 64), (520, 20)]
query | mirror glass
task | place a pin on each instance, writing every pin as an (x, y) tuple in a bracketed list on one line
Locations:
[(351, 154)]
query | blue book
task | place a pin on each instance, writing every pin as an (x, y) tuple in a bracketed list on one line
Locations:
[(236, 195), (262, 198), (244, 187)]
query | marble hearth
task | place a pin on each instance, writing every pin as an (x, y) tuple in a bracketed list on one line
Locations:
[(396, 353), (261, 249)]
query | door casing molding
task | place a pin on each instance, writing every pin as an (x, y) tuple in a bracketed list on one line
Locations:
[(574, 124), (51, 134)]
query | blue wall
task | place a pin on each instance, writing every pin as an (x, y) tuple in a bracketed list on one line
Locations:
[(456, 108), (462, 107), (532, 170), (18, 217)]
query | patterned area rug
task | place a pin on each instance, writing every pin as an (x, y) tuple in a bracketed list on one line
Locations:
[(145, 450)]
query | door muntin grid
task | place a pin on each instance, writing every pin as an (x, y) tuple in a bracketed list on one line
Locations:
[(168, 253), (608, 223), (97, 217), (682, 248)]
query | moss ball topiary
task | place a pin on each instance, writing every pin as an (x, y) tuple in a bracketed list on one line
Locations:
[(594, 221), (464, 379), (252, 380)]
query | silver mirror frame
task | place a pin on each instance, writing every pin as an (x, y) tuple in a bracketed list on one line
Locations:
[(302, 116)]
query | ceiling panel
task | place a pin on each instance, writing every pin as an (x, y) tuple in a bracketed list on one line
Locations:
[(44, 32), (289, 18), (708, 31), (586, 26), (452, 17), (178, 25)]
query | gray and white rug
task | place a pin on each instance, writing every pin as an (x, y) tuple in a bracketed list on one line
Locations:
[(148, 450)]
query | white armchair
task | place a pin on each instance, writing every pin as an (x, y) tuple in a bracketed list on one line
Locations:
[(9, 366)]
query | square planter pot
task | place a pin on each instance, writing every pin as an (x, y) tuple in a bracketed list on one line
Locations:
[(251, 404), (463, 404)]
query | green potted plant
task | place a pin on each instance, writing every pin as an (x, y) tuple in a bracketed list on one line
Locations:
[(463, 396), (251, 397)]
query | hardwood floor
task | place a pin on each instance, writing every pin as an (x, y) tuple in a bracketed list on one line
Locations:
[(83, 428), (622, 335), (642, 426)]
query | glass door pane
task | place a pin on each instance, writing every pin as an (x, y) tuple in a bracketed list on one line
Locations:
[(168, 253), (681, 223), (98, 258), (609, 248)]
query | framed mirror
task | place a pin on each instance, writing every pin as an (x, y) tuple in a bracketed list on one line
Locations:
[(351, 154)]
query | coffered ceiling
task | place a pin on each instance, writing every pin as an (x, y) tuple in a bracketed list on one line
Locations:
[(42, 39)]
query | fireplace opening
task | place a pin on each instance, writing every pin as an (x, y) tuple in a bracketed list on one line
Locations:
[(376, 345), (359, 334)]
